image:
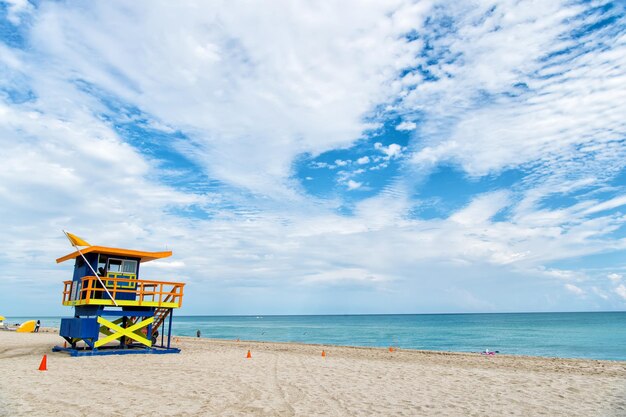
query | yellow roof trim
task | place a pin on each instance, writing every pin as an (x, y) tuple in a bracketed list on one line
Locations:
[(145, 256)]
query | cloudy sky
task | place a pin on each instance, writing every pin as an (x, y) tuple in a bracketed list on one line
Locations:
[(307, 157)]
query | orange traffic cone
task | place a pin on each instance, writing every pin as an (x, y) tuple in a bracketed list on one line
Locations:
[(43, 366), (249, 355), (323, 354)]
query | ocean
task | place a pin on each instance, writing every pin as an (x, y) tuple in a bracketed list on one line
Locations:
[(565, 335)]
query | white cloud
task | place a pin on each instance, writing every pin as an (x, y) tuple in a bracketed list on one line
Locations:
[(614, 277), (621, 291), (164, 265), (574, 289), (346, 275), (406, 126), (379, 166), (482, 208), (607, 205), (600, 293), (353, 185), (363, 160), (561, 274), (392, 151), (318, 165)]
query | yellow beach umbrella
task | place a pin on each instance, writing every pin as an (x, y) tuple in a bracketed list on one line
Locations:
[(2, 318)]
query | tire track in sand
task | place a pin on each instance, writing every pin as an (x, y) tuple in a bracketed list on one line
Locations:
[(286, 409), (333, 403)]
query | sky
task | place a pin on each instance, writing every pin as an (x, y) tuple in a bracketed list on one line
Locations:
[(319, 157)]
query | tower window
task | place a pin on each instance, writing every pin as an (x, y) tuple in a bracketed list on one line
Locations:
[(115, 265), (129, 267)]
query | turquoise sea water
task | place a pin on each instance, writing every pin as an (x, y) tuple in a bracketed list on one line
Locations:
[(566, 335)]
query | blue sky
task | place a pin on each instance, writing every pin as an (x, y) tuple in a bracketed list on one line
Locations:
[(320, 158)]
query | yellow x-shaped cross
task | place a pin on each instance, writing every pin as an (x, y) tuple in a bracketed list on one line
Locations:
[(128, 332)]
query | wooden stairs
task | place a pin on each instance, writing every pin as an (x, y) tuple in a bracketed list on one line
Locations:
[(160, 314)]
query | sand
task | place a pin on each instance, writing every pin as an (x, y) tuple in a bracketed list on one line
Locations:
[(213, 377)]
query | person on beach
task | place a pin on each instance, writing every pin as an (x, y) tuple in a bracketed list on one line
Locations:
[(37, 326), (198, 333)]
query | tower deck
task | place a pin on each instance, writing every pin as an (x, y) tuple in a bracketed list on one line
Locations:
[(145, 293)]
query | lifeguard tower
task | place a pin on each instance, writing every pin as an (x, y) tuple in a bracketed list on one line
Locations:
[(115, 312)]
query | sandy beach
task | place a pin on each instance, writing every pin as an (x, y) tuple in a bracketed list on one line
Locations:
[(212, 377)]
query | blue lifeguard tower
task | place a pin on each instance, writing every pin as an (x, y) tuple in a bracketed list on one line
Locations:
[(115, 312)]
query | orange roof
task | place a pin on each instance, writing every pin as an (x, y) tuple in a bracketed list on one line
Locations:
[(145, 256)]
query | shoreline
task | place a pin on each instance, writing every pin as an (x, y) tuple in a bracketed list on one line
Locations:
[(53, 330)]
